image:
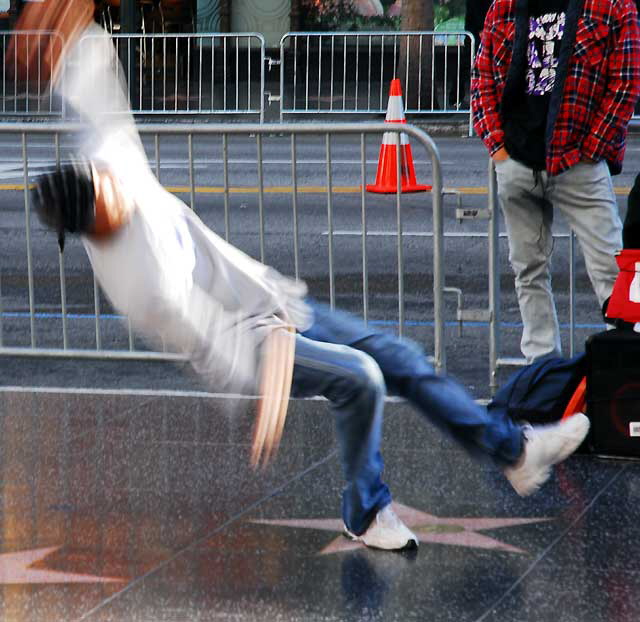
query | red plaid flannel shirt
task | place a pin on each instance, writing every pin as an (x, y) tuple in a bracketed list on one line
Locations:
[(600, 91)]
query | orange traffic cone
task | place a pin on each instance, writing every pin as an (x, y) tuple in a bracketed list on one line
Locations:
[(386, 178)]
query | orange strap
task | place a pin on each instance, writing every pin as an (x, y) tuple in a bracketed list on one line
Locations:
[(578, 400)]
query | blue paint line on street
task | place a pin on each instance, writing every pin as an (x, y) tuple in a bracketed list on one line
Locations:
[(58, 316), (479, 324)]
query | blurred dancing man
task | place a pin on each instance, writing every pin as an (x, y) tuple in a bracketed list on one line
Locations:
[(232, 316)]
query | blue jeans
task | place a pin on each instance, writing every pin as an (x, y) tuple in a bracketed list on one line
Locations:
[(353, 366)]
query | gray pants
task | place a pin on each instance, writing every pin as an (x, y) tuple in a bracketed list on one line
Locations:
[(584, 194)]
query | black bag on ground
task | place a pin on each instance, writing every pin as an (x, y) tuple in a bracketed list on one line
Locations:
[(613, 392), (631, 229), (539, 392)]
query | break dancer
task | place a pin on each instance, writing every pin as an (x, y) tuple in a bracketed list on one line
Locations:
[(174, 278)]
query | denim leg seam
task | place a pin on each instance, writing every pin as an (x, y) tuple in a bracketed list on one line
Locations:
[(320, 366)]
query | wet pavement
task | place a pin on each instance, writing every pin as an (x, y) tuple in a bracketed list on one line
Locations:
[(143, 507)]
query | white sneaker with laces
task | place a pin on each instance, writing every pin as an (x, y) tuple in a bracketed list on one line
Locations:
[(544, 446), (386, 531)]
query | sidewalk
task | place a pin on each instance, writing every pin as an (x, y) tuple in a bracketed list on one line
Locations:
[(124, 508)]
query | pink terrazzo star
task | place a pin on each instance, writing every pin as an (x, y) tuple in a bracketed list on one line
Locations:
[(427, 527), (15, 569)]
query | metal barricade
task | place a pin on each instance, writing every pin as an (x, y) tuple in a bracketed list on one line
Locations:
[(50, 305), (194, 74), (32, 97), (350, 72)]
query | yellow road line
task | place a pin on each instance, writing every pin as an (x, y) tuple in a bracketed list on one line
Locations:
[(463, 190), (471, 190), (13, 186)]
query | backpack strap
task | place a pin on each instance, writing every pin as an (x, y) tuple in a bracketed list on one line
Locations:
[(578, 400)]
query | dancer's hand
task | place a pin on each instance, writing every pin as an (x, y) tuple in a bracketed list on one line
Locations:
[(276, 370), (500, 155), (53, 26), (113, 207)]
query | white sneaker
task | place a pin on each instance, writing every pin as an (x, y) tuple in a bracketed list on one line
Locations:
[(544, 446), (386, 531)]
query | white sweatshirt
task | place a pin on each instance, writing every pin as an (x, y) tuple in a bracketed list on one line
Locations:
[(165, 270)]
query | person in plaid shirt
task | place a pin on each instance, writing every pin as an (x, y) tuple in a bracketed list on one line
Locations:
[(553, 87)]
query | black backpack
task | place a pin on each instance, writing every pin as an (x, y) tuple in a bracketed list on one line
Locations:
[(540, 392)]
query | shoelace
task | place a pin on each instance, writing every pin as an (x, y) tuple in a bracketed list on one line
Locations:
[(527, 432)]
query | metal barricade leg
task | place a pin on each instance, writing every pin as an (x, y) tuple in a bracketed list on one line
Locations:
[(494, 278)]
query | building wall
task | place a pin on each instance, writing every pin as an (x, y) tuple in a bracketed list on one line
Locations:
[(268, 17), (208, 16)]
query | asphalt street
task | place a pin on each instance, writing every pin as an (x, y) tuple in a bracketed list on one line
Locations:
[(228, 198)]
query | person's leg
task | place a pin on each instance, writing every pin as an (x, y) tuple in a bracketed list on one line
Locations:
[(441, 400), (408, 373), (585, 195), (526, 454), (355, 388), (528, 218)]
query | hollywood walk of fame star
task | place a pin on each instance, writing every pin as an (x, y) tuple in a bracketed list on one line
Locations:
[(15, 569), (427, 527)]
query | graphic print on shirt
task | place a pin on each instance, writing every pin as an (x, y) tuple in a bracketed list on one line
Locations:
[(545, 35)]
